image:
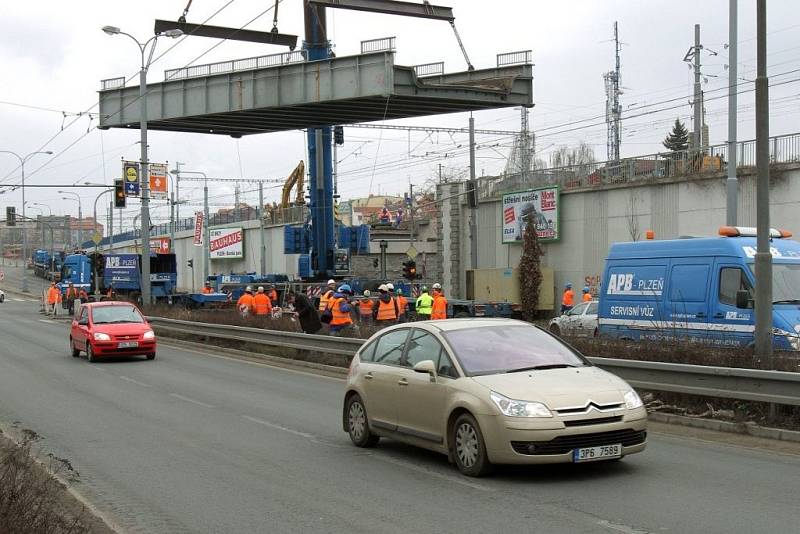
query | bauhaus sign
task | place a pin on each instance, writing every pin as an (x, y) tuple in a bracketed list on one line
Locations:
[(226, 243)]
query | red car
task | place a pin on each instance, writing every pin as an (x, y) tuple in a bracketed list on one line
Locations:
[(111, 328)]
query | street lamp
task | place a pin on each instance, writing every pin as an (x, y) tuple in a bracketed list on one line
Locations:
[(80, 214), (143, 175), (97, 244), (22, 161), (206, 224), (49, 209)]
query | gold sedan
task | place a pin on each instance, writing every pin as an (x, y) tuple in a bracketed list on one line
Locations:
[(486, 391)]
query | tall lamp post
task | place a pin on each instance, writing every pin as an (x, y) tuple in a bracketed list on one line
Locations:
[(22, 161), (206, 224), (97, 245), (80, 214), (143, 174)]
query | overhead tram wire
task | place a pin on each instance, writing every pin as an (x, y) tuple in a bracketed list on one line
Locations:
[(93, 106)]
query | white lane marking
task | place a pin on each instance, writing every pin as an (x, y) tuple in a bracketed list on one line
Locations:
[(132, 381), (48, 321), (419, 469), (18, 300), (187, 399), (281, 427), (621, 528)]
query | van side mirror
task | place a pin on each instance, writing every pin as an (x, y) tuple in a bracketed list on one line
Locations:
[(743, 299), (426, 366)]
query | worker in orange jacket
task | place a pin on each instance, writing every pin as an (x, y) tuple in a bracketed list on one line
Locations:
[(402, 305), (71, 295), (387, 311), (272, 294), (53, 297), (587, 296), (327, 294), (261, 303), (207, 290), (245, 302), (439, 310), (365, 308), (567, 298)]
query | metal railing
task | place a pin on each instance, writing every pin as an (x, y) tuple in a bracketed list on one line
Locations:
[(384, 44), (250, 63), (429, 69), (685, 163), (522, 57), (112, 83), (776, 387)]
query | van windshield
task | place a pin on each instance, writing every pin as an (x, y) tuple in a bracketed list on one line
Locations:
[(785, 282)]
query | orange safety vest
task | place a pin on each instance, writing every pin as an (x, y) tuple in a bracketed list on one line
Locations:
[(262, 304), (323, 300), (207, 290), (245, 300), (53, 295), (587, 297), (339, 317), (387, 311), (365, 306), (273, 295), (402, 304), (439, 307), (568, 298), (72, 292)]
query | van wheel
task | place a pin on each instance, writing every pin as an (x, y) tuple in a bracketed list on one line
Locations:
[(555, 330)]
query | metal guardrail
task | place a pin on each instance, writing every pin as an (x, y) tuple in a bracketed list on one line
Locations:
[(429, 69), (258, 62), (112, 83), (523, 57), (722, 382), (384, 44)]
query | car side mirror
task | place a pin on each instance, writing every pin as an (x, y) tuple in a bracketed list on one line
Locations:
[(426, 366), (743, 299)]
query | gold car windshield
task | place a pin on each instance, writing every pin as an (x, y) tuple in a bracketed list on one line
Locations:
[(509, 348)]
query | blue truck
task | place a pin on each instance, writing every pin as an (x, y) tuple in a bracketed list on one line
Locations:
[(122, 271), (46, 265), (699, 290)]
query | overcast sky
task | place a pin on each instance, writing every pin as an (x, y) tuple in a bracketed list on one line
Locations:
[(53, 56)]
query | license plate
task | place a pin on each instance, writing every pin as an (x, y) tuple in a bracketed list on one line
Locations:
[(590, 454), (128, 344)]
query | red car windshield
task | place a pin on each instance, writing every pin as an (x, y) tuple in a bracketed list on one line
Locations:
[(510, 348), (116, 314)]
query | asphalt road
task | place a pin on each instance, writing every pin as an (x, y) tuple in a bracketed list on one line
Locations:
[(195, 443)]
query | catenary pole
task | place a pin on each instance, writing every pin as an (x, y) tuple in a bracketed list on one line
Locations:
[(732, 182)]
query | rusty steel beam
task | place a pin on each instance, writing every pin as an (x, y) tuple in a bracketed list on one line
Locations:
[(391, 7), (233, 34)]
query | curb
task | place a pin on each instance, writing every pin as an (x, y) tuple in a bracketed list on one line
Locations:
[(750, 429)]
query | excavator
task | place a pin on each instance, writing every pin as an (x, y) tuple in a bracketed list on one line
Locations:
[(295, 179)]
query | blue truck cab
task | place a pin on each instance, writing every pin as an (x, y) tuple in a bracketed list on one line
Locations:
[(686, 289)]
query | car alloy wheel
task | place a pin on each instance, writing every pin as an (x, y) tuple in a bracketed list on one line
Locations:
[(469, 449), (358, 424), (467, 445)]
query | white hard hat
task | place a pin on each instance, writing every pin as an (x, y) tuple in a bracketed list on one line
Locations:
[(390, 287), (366, 293), (249, 288), (331, 282), (260, 289), (383, 287), (437, 286)]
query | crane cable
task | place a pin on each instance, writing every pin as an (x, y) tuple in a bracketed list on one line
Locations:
[(275, 18), (182, 18), (463, 50)]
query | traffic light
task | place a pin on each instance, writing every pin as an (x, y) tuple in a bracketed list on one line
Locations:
[(190, 264), (11, 216), (410, 270), (338, 135), (119, 194)]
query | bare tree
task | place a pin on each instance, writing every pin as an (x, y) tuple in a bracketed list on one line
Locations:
[(631, 217)]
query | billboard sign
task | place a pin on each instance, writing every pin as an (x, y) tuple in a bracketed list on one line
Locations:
[(130, 175), (159, 245), (198, 229), (226, 243), (537, 205), (158, 181), (121, 270)]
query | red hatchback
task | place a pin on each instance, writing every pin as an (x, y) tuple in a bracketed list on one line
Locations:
[(109, 328)]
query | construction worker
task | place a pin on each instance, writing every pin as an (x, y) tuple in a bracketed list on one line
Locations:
[(365, 307), (272, 294), (207, 289), (245, 303), (262, 305), (83, 296), (439, 310), (387, 310), (424, 305), (71, 294), (341, 310), (402, 305), (587, 296), (327, 294), (110, 293), (53, 297), (567, 298)]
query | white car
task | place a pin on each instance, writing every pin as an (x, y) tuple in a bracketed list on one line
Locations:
[(580, 321), (2, 296)]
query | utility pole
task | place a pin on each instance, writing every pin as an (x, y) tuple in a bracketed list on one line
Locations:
[(732, 185), (763, 257), (260, 213), (693, 55), (207, 233), (613, 109), (525, 145), (411, 209), (473, 212), (178, 189), (111, 226)]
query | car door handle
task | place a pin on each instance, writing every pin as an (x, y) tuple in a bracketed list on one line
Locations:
[(402, 382), (368, 376)]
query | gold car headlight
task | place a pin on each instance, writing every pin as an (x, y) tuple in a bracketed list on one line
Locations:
[(632, 400), (517, 408)]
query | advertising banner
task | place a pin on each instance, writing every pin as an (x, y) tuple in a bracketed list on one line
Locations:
[(121, 270), (158, 181), (130, 175), (537, 205), (159, 245), (198, 229), (226, 243)]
